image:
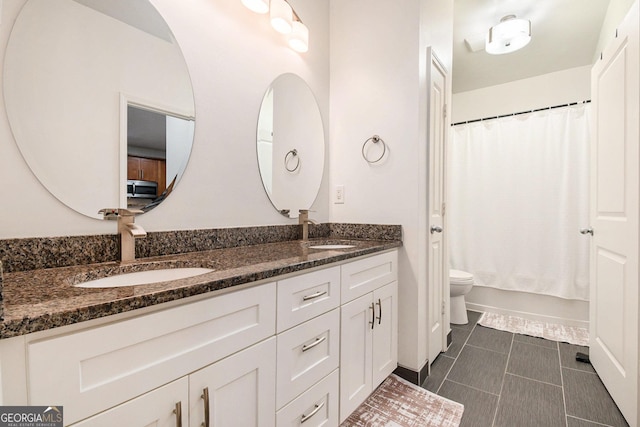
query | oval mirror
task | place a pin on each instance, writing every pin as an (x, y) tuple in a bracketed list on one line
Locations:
[(290, 145), (99, 100)]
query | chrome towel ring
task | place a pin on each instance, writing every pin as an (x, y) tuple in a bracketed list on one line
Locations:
[(375, 139), (290, 155)]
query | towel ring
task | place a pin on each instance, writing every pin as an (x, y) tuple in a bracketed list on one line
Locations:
[(375, 139), (293, 153)]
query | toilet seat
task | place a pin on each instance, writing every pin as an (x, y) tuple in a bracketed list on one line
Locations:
[(459, 277)]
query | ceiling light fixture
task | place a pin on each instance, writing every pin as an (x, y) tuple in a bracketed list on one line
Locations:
[(284, 20), (508, 36)]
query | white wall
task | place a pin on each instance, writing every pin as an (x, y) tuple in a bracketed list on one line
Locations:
[(562, 87), (232, 55), (378, 86)]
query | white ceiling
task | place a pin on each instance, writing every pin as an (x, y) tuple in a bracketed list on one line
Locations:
[(564, 34)]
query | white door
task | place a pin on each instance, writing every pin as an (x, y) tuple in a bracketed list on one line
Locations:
[(438, 271), (614, 218)]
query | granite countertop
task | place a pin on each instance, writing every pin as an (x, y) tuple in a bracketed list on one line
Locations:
[(37, 300)]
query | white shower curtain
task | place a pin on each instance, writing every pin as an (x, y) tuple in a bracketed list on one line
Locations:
[(519, 193)]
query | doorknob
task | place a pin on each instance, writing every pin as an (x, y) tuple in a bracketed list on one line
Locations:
[(586, 231), (436, 229)]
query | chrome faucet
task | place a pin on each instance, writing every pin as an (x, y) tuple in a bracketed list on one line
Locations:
[(304, 220), (128, 230)]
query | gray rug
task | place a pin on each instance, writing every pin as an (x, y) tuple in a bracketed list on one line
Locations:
[(398, 403), (550, 331)]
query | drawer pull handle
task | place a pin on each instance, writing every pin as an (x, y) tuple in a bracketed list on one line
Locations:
[(205, 397), (314, 296), (373, 315), (178, 412), (379, 303), (312, 413), (313, 344)]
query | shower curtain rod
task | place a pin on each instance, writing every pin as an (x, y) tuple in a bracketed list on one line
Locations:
[(521, 112)]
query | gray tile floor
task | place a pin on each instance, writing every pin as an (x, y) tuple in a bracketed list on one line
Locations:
[(512, 380)]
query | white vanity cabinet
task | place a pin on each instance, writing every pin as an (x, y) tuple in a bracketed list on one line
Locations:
[(304, 349), (97, 368), (369, 328)]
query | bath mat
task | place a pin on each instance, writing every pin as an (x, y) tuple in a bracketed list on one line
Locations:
[(550, 331), (398, 403)]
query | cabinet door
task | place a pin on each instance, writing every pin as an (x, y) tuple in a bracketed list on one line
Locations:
[(355, 353), (385, 332), (241, 389), (157, 408), (133, 168), (148, 169)]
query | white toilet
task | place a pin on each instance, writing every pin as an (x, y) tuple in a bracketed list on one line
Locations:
[(461, 283)]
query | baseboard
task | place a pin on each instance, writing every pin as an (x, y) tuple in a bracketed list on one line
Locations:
[(526, 315), (412, 376)]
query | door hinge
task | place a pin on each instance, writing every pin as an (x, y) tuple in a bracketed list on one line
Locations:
[(443, 305), (444, 111), (444, 208)]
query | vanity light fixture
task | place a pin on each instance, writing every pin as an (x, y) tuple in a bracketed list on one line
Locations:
[(258, 6), (508, 36), (281, 15), (284, 20)]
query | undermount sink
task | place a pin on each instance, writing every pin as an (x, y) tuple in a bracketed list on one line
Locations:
[(331, 246), (144, 277)]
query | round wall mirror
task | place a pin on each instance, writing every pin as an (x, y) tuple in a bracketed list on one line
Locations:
[(99, 100), (290, 145)]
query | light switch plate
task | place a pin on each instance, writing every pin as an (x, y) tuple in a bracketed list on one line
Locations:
[(339, 195)]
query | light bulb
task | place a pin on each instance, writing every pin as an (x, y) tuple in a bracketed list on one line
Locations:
[(281, 16), (299, 37)]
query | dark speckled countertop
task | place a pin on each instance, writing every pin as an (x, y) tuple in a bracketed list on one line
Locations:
[(41, 299)]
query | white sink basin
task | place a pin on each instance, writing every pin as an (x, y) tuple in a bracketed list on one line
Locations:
[(144, 277), (331, 246)]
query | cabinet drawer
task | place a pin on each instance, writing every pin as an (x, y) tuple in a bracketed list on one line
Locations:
[(303, 297), (365, 275), (95, 369), (316, 407), (152, 409), (306, 354)]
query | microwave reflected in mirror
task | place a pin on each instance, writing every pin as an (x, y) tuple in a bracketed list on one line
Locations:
[(158, 147)]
